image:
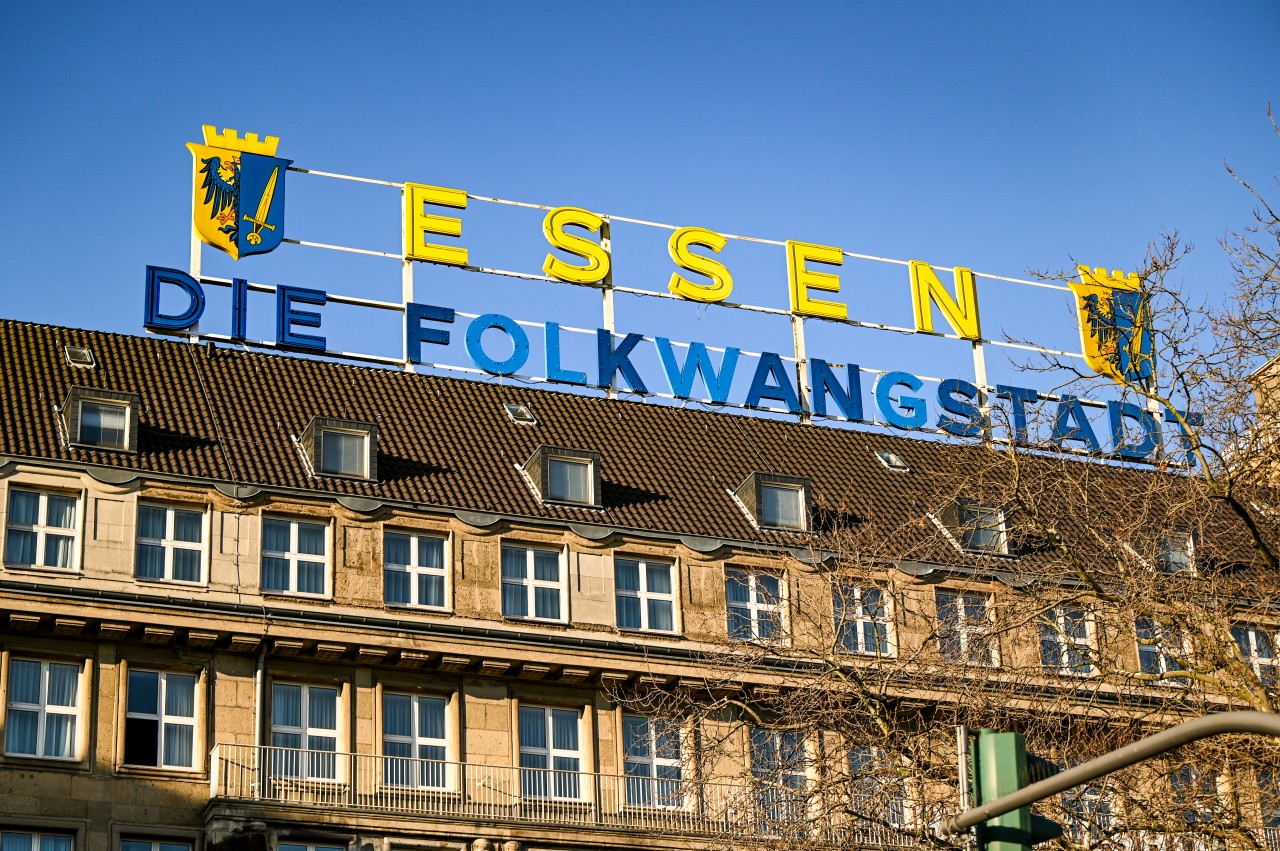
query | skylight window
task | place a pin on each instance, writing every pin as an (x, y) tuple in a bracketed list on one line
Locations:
[(101, 419), (341, 448), (893, 462), (566, 476), (79, 356), (519, 414), (775, 502)]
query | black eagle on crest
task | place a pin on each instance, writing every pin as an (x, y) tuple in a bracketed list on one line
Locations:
[(222, 193)]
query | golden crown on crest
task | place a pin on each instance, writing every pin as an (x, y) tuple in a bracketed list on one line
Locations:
[(231, 140)]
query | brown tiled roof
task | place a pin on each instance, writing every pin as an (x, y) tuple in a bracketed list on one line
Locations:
[(228, 415)]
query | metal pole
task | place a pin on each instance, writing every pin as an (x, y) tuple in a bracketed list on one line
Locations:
[(606, 242), (1262, 723)]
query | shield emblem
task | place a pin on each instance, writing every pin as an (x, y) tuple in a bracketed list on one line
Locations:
[(238, 192), (1115, 326)]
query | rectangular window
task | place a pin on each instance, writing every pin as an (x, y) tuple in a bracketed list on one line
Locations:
[(41, 529), (754, 603), (1269, 798), (1174, 553), (653, 764), (645, 594), (862, 619), (160, 720), (413, 733), (1196, 791), (170, 544), (294, 557), (1154, 649), (982, 528), (876, 793), (153, 845), (1258, 649), (532, 584), (413, 572), (550, 753), (1088, 811), (304, 731), (964, 625), (298, 846), (43, 709), (16, 840), (778, 766), (344, 453), (782, 506), (1065, 641), (569, 480), (104, 424)]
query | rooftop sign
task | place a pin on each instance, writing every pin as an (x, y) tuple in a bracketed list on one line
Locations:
[(238, 207)]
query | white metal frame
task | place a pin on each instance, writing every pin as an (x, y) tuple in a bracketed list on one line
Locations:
[(163, 719), (44, 709), (1057, 620), (530, 583), (305, 753), (170, 544), (89, 401), (850, 606), (363, 470), (758, 603), (644, 595), (43, 530), (654, 761), (973, 635), (549, 776), (415, 568), (415, 763), (293, 556)]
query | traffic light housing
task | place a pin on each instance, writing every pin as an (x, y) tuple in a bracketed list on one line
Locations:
[(1000, 766)]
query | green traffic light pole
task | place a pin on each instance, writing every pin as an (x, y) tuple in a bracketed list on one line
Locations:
[(1263, 723)]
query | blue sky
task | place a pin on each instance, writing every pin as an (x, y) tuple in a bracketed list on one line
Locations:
[(999, 136)]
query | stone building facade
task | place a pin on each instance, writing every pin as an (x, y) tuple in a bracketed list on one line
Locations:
[(263, 602)]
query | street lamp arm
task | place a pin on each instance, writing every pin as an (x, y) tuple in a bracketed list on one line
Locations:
[(1263, 723)]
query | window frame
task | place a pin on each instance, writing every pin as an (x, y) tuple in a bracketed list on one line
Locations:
[(585, 466), (1251, 654), (42, 530), (416, 570), (750, 498), (163, 719), (311, 445), (418, 766), (169, 544), (73, 409), (1054, 624), (965, 521), (550, 777), (1175, 553), (792, 491), (968, 630), (322, 434), (537, 470), (305, 769), (876, 788), (656, 788), (1155, 647), (293, 557), (43, 709), (844, 591), (645, 596), (530, 583), (755, 607), (38, 835), (155, 844)]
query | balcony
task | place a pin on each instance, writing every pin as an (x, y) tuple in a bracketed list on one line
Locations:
[(452, 791)]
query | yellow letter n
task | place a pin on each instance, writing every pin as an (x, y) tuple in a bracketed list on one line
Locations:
[(961, 312)]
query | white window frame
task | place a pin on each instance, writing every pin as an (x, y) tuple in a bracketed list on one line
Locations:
[(859, 619), (757, 605), (415, 569), (99, 404), (588, 470), (309, 846), (876, 789), (292, 556), (971, 517), (652, 790), (1176, 553), (549, 778), (42, 530), (43, 710), (796, 491), (163, 719), (38, 837), (135, 843), (418, 768), (972, 634), (1053, 628), (1156, 651), (1266, 668), (170, 544), (645, 596), (363, 471), (530, 584), (305, 767)]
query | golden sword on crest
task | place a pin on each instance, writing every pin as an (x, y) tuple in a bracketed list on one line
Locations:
[(264, 206)]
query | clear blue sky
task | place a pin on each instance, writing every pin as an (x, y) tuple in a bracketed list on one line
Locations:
[(999, 136)]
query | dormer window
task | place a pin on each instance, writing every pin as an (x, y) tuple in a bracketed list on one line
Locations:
[(566, 476), (1176, 553), (341, 448), (775, 502), (102, 419), (977, 527)]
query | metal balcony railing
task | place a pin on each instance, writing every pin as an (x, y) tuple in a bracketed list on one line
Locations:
[(453, 790)]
